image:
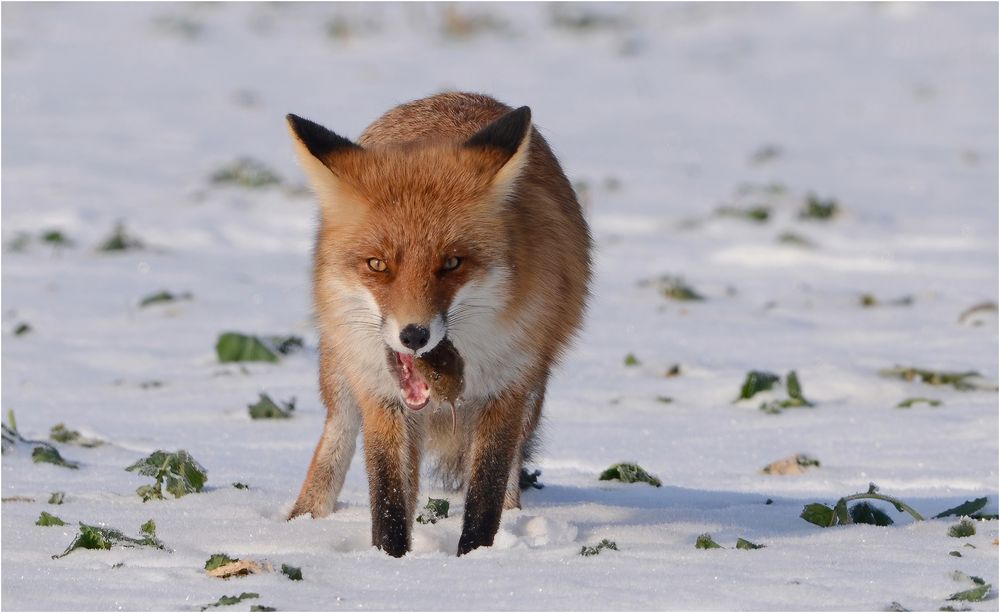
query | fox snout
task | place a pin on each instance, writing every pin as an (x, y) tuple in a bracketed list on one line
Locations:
[(409, 335)]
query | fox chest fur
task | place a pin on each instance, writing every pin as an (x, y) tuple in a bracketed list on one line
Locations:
[(449, 223)]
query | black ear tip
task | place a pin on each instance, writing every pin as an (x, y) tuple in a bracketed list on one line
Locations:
[(523, 113)]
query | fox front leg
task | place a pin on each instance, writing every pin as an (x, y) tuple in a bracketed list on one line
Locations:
[(496, 439), (332, 458), (391, 438)]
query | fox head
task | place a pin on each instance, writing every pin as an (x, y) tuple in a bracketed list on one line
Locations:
[(413, 246)]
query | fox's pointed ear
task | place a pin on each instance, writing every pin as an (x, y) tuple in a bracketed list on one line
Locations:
[(318, 149), (507, 138)]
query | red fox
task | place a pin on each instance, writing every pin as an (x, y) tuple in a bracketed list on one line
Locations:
[(449, 218)]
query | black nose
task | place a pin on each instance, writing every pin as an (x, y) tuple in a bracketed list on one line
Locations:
[(414, 336)]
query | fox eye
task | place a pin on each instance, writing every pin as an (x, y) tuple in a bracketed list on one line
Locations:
[(376, 265), (451, 264)]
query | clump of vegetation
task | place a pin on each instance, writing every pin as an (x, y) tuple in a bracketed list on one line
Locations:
[(47, 519), (673, 371), (968, 508), (51, 455), (578, 18), (120, 240), (56, 238), (869, 300), (241, 486), (742, 543), (265, 408), (676, 288), (57, 497), (909, 402), (435, 509), (866, 513), (975, 594), (825, 516), (22, 329), (217, 560), (795, 398), (758, 214), (797, 240), (231, 600), (163, 297), (757, 381), (819, 209), (587, 551), (41, 453), (705, 541), (628, 472), (178, 471), (631, 360), (963, 529), (292, 572), (61, 434), (94, 537), (958, 380), (236, 347), (246, 173)]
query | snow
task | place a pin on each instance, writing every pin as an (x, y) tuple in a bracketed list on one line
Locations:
[(112, 112)]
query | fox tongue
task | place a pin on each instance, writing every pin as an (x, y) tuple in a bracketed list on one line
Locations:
[(415, 389)]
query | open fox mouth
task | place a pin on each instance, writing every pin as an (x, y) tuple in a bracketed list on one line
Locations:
[(413, 387)]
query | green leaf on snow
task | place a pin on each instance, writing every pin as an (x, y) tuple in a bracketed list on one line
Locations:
[(47, 519), (628, 472), (966, 508), (705, 541), (265, 408), (435, 509), (177, 471)]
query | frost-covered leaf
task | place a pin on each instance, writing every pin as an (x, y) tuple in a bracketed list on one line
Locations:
[(218, 559), (120, 240), (758, 214), (94, 537), (962, 529), (246, 173), (909, 402), (265, 408), (61, 434), (163, 297), (866, 513), (435, 509), (705, 541), (57, 497), (742, 543), (292, 572), (966, 508), (587, 551), (958, 380), (177, 472), (148, 528), (757, 381), (819, 209), (629, 472), (976, 593), (56, 238), (236, 347), (819, 514), (47, 519), (229, 600), (50, 455)]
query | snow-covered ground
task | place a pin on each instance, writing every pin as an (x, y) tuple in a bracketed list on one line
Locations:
[(660, 114)]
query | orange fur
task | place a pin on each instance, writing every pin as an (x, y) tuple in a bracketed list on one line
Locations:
[(425, 185)]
